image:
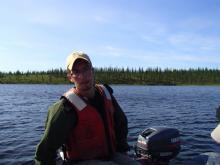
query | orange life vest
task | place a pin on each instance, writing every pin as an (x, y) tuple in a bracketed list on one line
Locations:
[(88, 140)]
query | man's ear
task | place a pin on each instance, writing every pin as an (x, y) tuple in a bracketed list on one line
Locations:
[(70, 77)]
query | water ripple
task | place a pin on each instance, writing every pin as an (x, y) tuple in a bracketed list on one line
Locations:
[(190, 109)]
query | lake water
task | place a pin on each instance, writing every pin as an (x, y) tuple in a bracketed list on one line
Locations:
[(190, 109)]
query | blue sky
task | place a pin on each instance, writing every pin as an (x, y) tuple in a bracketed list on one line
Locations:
[(39, 34)]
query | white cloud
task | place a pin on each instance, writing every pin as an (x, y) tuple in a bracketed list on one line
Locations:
[(3, 48), (192, 42), (113, 51), (101, 19), (152, 39), (198, 23), (167, 58)]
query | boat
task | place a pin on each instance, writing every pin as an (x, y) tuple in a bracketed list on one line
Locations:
[(155, 146), (159, 145)]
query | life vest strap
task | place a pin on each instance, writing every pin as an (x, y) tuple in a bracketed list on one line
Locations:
[(75, 100), (107, 94)]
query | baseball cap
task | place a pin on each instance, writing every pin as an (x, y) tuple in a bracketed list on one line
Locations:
[(71, 59)]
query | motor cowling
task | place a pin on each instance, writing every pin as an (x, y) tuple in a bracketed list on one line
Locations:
[(158, 143)]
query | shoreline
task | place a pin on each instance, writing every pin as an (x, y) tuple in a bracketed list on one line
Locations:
[(135, 84)]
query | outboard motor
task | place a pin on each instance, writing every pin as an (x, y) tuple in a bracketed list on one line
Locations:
[(157, 145)]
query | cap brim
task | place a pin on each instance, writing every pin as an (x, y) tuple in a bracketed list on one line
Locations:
[(216, 134), (82, 59), (78, 58)]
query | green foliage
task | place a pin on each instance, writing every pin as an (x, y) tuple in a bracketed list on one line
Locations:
[(149, 76)]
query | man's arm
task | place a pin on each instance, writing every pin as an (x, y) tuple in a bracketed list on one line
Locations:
[(121, 124), (121, 128), (60, 120)]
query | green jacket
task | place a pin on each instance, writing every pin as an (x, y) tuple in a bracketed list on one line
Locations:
[(61, 119)]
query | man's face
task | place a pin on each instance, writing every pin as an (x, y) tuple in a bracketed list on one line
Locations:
[(82, 75)]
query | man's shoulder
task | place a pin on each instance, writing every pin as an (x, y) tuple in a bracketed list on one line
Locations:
[(60, 105), (56, 106)]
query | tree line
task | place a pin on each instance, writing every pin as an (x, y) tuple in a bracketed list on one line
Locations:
[(110, 75)]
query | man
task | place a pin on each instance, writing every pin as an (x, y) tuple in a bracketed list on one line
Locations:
[(87, 121)]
